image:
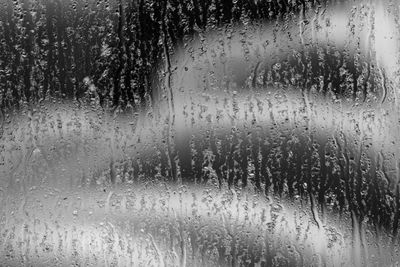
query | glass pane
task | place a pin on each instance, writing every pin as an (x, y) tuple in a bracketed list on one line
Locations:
[(199, 133)]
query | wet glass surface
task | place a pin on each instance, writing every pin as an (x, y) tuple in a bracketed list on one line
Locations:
[(199, 133)]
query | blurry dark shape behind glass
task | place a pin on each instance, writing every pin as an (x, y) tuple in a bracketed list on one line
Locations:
[(206, 133)]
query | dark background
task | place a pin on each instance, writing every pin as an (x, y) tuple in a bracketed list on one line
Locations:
[(48, 47)]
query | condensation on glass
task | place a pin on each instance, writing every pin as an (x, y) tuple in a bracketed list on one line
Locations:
[(199, 133)]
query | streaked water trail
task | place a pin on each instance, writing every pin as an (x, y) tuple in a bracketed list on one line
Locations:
[(266, 144)]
